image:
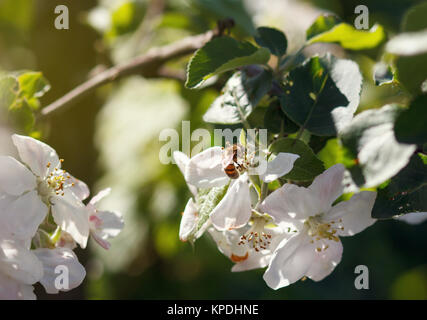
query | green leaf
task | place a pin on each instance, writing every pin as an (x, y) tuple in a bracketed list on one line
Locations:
[(21, 116), (272, 39), (32, 85), (415, 18), (383, 74), (306, 167), (334, 153), (323, 23), (276, 121), (370, 141), (322, 94), (406, 192), (235, 9), (351, 38), (411, 125), (241, 95), (206, 201), (220, 55), (126, 18), (8, 91)]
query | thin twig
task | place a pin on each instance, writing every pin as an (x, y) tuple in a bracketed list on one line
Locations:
[(148, 65)]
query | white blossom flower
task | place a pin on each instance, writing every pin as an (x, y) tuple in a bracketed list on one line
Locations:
[(206, 170), (103, 224), (29, 190), (315, 249), (19, 270), (250, 247)]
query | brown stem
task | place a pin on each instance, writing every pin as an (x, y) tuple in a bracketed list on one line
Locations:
[(148, 65)]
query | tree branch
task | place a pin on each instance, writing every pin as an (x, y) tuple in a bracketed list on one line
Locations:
[(148, 65)]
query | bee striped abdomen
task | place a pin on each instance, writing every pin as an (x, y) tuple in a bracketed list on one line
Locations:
[(231, 171)]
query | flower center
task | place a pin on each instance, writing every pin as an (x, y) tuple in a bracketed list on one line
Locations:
[(256, 237), (54, 183), (319, 231)]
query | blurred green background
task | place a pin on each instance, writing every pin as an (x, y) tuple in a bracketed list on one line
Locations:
[(111, 138)]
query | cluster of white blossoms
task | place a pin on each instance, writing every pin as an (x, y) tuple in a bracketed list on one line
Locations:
[(293, 231), (42, 219)]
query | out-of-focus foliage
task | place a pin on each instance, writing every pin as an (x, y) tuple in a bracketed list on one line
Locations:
[(111, 137)]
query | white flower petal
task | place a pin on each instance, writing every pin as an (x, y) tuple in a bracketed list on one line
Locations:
[(181, 161), (234, 210), (21, 216), (15, 178), (325, 261), (413, 218), (71, 215), (290, 202), (205, 170), (355, 213), (19, 263), (54, 261), (188, 220), (328, 186), (80, 189), (279, 166), (292, 260), (99, 196), (36, 154), (106, 225), (14, 290)]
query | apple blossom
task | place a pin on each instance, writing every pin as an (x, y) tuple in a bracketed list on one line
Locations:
[(250, 247), (32, 189), (315, 249), (206, 170), (103, 224)]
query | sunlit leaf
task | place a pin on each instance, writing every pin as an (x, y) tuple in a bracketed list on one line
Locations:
[(351, 38), (322, 94), (241, 95), (323, 23), (220, 55), (370, 141)]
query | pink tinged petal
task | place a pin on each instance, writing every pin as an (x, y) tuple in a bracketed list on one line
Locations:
[(71, 215), (15, 178), (55, 261), (325, 260), (290, 202), (328, 186), (11, 289), (181, 161), (188, 220), (279, 166), (36, 154), (78, 187), (292, 260), (19, 263), (205, 169), (112, 222), (100, 195), (21, 216), (234, 210), (353, 215), (413, 218)]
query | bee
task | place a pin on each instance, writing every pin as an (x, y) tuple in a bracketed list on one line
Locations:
[(233, 158)]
